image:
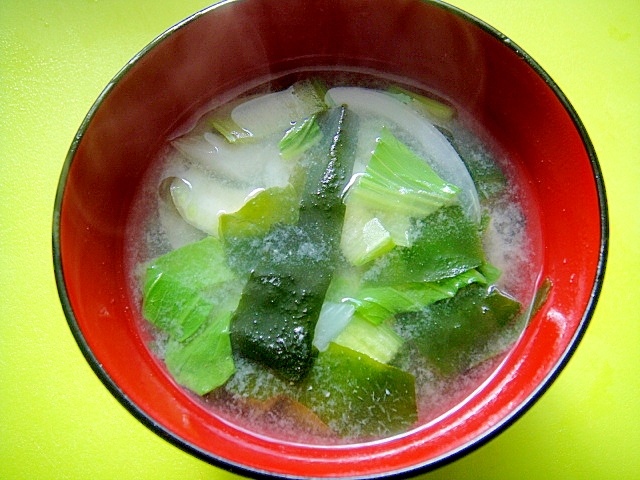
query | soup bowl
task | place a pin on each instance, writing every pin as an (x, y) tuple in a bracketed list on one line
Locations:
[(502, 94)]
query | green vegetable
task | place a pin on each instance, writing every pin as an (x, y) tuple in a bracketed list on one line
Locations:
[(379, 342), (397, 180), (358, 396), (262, 211), (277, 314), (396, 186), (453, 333), (377, 304), (205, 361), (446, 244), (302, 136), (190, 294), (183, 286), (440, 155), (490, 272), (364, 237)]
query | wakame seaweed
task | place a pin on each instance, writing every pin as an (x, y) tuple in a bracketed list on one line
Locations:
[(279, 308)]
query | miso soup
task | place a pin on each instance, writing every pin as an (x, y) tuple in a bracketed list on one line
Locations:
[(332, 260)]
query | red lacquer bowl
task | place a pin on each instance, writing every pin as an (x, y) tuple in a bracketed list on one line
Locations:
[(432, 45)]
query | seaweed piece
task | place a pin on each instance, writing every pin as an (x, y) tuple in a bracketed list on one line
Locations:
[(279, 308), (454, 333)]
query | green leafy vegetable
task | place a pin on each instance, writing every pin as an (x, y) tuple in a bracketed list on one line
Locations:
[(183, 286), (490, 272), (379, 342), (190, 294), (397, 180), (364, 237), (262, 211), (396, 187), (205, 361), (438, 152), (428, 106), (377, 304), (302, 136)]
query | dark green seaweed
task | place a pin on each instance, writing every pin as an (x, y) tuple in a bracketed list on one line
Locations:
[(280, 305)]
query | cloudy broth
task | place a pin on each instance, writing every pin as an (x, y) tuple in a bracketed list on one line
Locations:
[(510, 240)]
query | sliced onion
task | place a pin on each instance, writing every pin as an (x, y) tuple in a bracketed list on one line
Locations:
[(177, 231), (256, 164)]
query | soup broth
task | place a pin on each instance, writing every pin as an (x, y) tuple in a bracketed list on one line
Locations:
[(333, 258)]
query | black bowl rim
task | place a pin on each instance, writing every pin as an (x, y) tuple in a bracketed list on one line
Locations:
[(424, 467)]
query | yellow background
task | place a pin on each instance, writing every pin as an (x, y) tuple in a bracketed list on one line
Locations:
[(58, 421)]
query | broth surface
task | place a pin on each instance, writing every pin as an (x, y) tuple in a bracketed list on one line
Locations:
[(511, 242)]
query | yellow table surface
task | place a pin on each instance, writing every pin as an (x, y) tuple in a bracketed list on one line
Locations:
[(58, 421)]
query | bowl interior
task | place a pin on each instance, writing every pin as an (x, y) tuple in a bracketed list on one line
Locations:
[(502, 94)]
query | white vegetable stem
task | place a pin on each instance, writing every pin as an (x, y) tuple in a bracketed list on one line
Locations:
[(334, 317), (442, 157), (248, 164)]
